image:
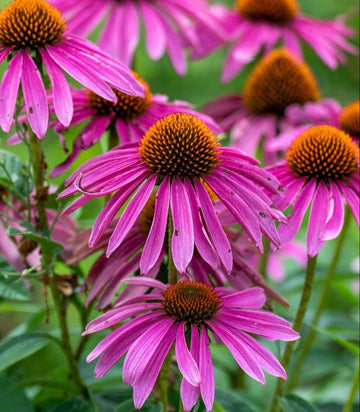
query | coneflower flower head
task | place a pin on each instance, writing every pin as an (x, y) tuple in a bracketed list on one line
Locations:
[(176, 156), (188, 311), (322, 166), (32, 34)]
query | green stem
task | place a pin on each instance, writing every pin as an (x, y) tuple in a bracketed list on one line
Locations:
[(309, 339), (354, 388), (305, 297), (65, 339), (38, 163), (264, 258)]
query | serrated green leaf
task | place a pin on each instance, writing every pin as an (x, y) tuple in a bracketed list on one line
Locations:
[(293, 403), (14, 289), (14, 349), (14, 175), (46, 244), (12, 399)]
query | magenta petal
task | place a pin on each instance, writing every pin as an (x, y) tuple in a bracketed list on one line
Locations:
[(143, 350), (189, 393), (131, 214), (146, 381), (9, 90), (185, 361), (301, 203), (317, 220), (242, 357), (183, 234), (202, 241), (218, 236), (334, 225), (62, 98), (155, 240), (207, 385), (155, 33), (352, 200), (80, 72), (35, 96), (144, 281), (252, 298)]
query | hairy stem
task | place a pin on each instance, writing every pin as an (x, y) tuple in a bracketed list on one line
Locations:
[(305, 297), (262, 269), (309, 339)]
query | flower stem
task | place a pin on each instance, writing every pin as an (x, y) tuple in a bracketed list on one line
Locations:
[(354, 387), (38, 164), (305, 297), (306, 344), (264, 258)]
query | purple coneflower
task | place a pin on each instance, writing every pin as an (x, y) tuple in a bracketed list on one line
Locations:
[(257, 25), (176, 157), (128, 119), (322, 167), (169, 25), (173, 314), (278, 84), (32, 34)]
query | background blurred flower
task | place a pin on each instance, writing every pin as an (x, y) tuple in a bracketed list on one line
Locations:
[(169, 25), (32, 34), (257, 26)]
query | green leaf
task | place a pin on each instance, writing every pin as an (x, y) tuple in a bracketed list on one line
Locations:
[(12, 399), (293, 403), (14, 349), (14, 175), (47, 245), (76, 404), (14, 289)]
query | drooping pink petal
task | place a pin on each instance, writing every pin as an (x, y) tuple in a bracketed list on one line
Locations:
[(144, 349), (146, 380), (334, 225), (182, 243), (9, 90), (245, 360), (155, 240), (36, 104), (252, 298), (155, 33), (189, 393), (207, 384), (62, 98), (213, 225), (130, 214), (184, 358), (317, 220)]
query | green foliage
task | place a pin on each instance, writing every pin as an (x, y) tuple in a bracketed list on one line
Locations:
[(19, 347), (293, 403)]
